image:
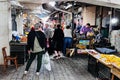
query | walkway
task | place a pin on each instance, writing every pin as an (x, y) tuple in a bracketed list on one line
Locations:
[(64, 69)]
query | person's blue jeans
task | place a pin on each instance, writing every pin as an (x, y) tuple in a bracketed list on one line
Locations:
[(67, 44)]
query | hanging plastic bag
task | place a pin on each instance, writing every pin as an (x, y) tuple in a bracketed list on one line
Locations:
[(46, 61)]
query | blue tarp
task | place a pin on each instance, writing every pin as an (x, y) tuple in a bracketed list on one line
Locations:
[(106, 50)]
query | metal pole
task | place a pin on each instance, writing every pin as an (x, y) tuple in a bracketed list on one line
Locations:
[(72, 16), (110, 25)]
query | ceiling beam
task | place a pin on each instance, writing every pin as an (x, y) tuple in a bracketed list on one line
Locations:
[(31, 6), (107, 3)]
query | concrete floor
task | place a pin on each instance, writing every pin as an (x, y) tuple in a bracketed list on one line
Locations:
[(74, 68)]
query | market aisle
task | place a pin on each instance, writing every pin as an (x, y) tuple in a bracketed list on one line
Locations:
[(64, 69)]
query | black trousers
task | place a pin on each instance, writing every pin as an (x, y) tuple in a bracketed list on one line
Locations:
[(39, 60)]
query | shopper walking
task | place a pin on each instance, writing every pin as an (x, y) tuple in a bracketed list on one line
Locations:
[(48, 34), (36, 47), (58, 38), (67, 39)]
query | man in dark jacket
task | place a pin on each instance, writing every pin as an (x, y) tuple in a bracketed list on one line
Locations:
[(36, 44)]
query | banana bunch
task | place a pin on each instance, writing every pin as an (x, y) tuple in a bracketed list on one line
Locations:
[(110, 59)]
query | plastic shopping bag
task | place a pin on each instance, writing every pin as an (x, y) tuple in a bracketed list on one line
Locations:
[(46, 61)]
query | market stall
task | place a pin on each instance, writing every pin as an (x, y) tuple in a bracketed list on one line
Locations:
[(103, 66)]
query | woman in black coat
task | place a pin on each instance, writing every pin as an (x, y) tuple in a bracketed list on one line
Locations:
[(36, 44), (58, 38)]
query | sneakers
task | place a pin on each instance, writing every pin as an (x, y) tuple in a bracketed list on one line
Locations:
[(25, 72), (37, 73)]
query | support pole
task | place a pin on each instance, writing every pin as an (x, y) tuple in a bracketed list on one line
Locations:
[(72, 16)]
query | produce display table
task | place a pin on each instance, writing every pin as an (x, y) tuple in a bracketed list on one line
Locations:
[(92, 65), (92, 62), (100, 65)]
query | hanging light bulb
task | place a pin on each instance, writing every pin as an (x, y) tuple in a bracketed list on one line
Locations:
[(52, 3), (114, 20), (15, 3)]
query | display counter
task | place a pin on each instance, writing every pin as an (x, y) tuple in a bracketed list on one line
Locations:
[(101, 65), (19, 50), (92, 66)]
